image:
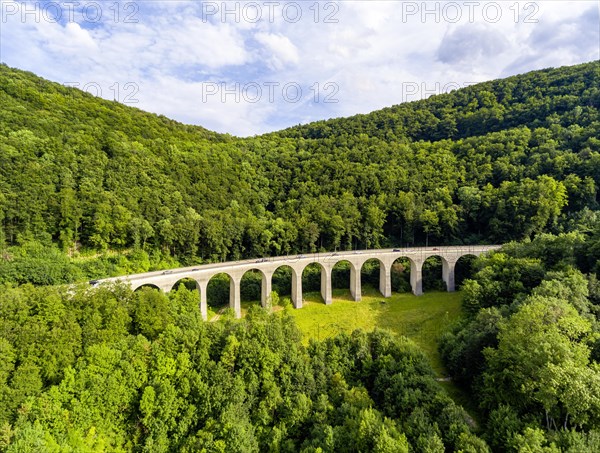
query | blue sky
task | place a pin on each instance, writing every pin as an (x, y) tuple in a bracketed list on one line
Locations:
[(249, 67)]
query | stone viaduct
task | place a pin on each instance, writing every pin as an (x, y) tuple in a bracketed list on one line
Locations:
[(166, 280)]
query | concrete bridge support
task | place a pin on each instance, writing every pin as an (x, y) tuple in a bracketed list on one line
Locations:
[(235, 299), (326, 284), (265, 289), (385, 280), (297, 288), (165, 288), (416, 278), (355, 286), (448, 274), (202, 285)]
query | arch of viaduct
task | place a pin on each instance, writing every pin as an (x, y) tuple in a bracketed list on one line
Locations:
[(166, 280)]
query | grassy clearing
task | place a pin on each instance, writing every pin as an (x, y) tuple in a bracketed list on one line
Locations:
[(422, 319)]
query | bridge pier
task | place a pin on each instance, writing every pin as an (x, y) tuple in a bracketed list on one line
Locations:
[(265, 289), (385, 280), (355, 283), (235, 299), (448, 274), (296, 288), (201, 286), (416, 278), (326, 285), (165, 287)]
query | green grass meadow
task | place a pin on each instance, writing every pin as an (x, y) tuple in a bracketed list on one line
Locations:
[(422, 319)]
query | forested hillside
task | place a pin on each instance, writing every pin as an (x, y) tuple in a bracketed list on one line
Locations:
[(528, 351), (113, 370), (492, 162), (523, 100), (90, 188)]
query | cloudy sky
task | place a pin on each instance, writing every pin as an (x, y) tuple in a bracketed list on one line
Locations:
[(250, 67)]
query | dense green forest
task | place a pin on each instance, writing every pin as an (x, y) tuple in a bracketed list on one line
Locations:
[(493, 162), (112, 370), (91, 188), (108, 369), (530, 348)]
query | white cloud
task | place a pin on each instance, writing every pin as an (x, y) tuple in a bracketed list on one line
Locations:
[(197, 102), (474, 43), (69, 40), (278, 49), (190, 41), (373, 52)]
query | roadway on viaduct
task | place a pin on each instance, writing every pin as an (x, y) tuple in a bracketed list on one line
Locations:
[(166, 280)]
